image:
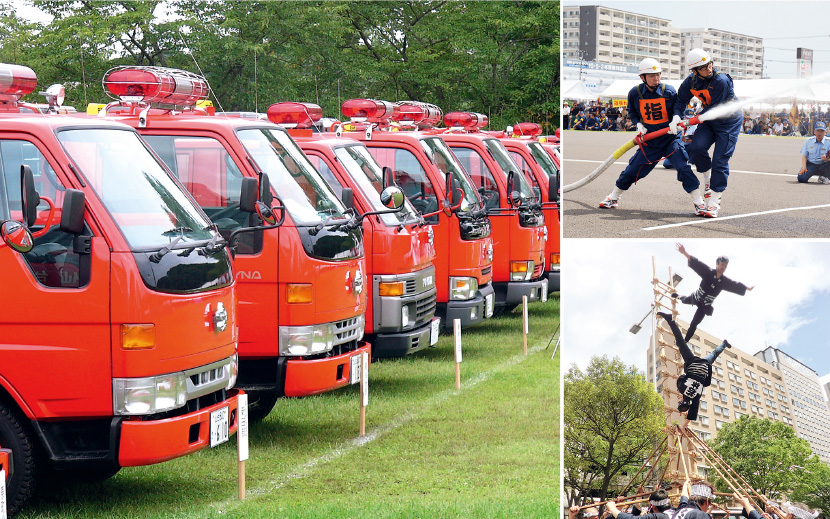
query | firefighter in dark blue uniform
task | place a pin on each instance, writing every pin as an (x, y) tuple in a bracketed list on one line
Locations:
[(713, 88), (650, 106), (695, 501), (712, 283)]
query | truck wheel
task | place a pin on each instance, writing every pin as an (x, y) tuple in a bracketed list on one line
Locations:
[(260, 404), (15, 435)]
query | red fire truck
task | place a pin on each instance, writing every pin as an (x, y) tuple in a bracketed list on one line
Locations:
[(399, 244), (541, 171), (119, 332), (436, 185), (301, 287), (519, 230)]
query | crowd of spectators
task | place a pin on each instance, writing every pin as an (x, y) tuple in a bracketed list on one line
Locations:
[(599, 116)]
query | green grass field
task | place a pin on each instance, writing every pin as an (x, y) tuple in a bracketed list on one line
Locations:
[(490, 449)]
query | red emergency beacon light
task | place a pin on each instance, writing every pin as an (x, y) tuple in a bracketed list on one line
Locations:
[(155, 85), (416, 113), (532, 130), (370, 110), (294, 115), (470, 121), (15, 82)]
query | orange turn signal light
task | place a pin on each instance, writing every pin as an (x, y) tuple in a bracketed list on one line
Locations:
[(138, 336), (298, 292)]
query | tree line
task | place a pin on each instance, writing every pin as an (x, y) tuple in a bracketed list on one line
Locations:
[(500, 58)]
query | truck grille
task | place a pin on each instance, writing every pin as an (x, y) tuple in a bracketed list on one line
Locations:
[(537, 270), (347, 330), (425, 308), (207, 379), (486, 271), (410, 287)]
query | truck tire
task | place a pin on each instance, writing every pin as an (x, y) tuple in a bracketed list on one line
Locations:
[(260, 404), (15, 435)]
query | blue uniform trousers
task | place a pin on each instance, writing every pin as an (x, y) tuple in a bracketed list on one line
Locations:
[(822, 169), (641, 164), (723, 133)]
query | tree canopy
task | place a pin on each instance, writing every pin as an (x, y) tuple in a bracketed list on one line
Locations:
[(498, 58), (613, 419), (769, 455)]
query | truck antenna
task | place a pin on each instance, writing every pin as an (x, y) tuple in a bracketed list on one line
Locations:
[(188, 51)]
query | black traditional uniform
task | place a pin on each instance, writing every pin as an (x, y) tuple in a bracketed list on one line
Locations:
[(710, 286), (689, 510)]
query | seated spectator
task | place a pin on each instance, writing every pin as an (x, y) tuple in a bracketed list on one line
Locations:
[(749, 125), (778, 127), (578, 122), (788, 128), (591, 123)]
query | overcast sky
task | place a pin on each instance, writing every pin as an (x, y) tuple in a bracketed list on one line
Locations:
[(784, 26), (606, 289)]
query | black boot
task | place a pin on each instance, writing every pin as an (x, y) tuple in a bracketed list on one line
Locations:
[(727, 343)]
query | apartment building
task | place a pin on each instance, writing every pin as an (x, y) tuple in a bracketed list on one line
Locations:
[(741, 385), (805, 397), (739, 55), (608, 35)]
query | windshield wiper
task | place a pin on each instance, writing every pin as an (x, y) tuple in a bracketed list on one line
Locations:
[(156, 256), (333, 222), (177, 230), (215, 244)]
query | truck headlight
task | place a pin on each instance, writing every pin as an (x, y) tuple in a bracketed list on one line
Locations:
[(149, 395), (233, 367), (521, 270), (463, 288), (404, 316), (306, 340)]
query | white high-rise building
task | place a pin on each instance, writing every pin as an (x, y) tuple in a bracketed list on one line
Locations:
[(739, 55), (806, 397)]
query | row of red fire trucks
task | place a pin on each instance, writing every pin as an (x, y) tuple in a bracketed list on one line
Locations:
[(159, 260)]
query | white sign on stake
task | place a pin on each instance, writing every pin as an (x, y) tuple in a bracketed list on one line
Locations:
[(524, 316), (456, 328), (242, 432), (364, 379), (3, 494)]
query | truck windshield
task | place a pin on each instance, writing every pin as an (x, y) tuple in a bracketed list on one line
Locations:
[(306, 195), (368, 176), (543, 158), (444, 159), (151, 210), (506, 164)]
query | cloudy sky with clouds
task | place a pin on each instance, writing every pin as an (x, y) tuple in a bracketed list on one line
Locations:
[(607, 289)]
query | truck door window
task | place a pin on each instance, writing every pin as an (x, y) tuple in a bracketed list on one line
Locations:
[(410, 176), (52, 261), (524, 166), (206, 169), (482, 177), (327, 174)]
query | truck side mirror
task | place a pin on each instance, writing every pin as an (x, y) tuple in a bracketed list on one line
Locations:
[(392, 197), (29, 198), (347, 197), (265, 195), (515, 198), (388, 177), (248, 194), (553, 188), (72, 213), (17, 236)]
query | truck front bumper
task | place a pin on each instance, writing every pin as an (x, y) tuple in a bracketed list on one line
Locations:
[(470, 312), (305, 377), (510, 293)]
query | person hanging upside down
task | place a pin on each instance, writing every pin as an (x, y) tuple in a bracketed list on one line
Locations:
[(712, 283), (697, 371)]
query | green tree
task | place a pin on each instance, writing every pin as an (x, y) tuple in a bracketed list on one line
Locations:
[(613, 419), (769, 455), (814, 490)]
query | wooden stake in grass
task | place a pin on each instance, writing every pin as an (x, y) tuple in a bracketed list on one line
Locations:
[(456, 328), (364, 391), (524, 325), (242, 440)]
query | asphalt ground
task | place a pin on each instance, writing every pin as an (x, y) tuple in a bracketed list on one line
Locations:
[(763, 198)]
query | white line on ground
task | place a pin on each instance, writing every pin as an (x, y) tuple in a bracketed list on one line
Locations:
[(618, 163), (731, 217), (305, 469)]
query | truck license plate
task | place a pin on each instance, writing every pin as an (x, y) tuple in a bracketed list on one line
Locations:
[(488, 305), (544, 290), (433, 332), (354, 378), (219, 426)]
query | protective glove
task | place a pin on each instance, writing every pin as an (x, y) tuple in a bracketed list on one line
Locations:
[(673, 125), (641, 129)]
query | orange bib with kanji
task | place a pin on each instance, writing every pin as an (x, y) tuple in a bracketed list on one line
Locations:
[(653, 111), (703, 95)]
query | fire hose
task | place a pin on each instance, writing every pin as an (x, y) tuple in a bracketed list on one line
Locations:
[(622, 150)]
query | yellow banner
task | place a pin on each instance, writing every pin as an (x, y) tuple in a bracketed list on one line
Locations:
[(619, 103)]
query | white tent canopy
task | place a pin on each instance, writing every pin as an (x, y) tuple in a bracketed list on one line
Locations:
[(575, 90), (767, 91)]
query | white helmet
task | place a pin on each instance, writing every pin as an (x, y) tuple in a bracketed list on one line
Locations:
[(649, 66), (697, 57)]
